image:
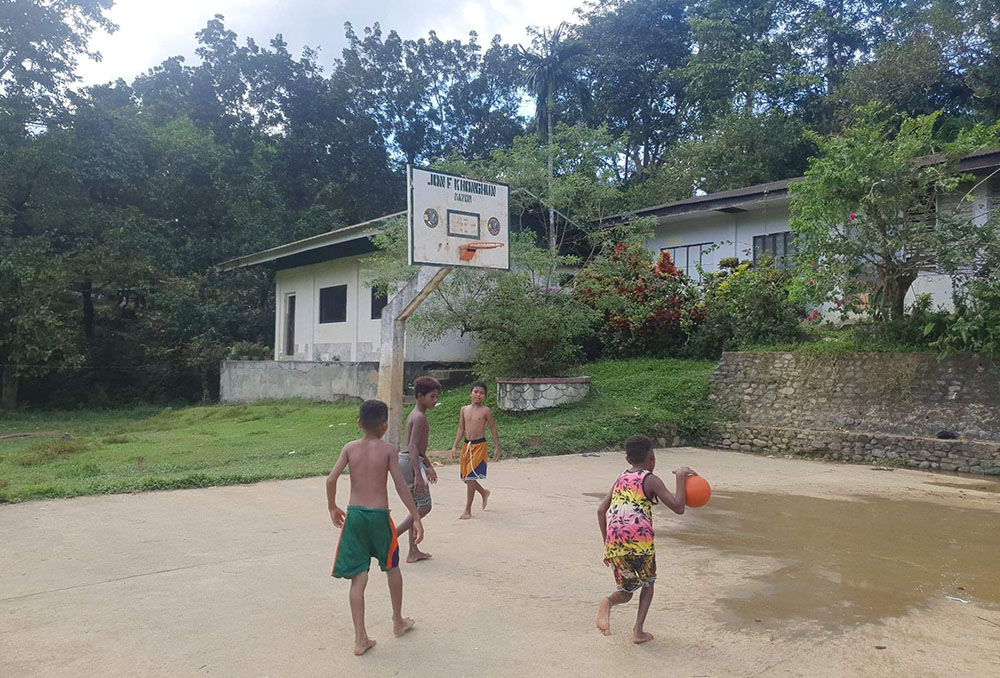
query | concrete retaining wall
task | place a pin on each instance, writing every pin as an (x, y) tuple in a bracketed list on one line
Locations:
[(250, 381), (965, 456), (879, 408), (910, 394)]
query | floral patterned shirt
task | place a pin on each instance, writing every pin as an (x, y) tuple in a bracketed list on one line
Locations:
[(630, 518)]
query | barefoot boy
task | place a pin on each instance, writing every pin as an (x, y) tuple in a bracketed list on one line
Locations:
[(413, 460), (366, 530), (626, 520), (472, 423)]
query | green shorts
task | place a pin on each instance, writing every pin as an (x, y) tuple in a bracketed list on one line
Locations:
[(368, 533)]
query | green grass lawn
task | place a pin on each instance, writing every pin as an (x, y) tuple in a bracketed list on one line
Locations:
[(109, 451)]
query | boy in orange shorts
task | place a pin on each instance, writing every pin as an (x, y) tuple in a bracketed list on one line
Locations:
[(472, 422)]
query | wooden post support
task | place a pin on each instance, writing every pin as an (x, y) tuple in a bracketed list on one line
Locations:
[(392, 356)]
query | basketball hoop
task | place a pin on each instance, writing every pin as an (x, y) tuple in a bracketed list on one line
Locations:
[(467, 252)]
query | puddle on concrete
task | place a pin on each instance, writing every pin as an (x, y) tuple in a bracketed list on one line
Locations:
[(847, 562), (988, 486)]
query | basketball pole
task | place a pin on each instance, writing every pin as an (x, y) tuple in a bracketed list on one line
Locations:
[(393, 349)]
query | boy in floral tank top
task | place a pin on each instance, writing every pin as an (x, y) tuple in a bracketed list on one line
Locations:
[(626, 520)]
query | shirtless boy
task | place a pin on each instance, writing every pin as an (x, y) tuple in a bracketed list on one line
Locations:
[(472, 421), (413, 460), (366, 529)]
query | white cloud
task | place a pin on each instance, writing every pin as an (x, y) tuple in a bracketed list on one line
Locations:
[(152, 30)]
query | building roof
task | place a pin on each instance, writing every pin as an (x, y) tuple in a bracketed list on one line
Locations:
[(735, 200), (739, 199), (298, 249)]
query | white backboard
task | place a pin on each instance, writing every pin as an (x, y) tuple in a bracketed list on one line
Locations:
[(455, 221)]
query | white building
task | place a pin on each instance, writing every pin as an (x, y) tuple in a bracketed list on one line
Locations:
[(328, 323), (327, 329), (749, 222)]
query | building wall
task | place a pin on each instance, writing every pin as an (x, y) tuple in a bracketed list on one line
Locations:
[(359, 337), (731, 235)]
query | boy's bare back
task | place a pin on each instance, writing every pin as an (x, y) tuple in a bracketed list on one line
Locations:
[(369, 462), (475, 418)]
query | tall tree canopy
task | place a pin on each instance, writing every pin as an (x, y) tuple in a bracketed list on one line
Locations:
[(117, 199)]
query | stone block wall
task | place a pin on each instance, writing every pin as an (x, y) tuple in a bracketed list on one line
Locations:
[(903, 393), (964, 456), (523, 395), (866, 407)]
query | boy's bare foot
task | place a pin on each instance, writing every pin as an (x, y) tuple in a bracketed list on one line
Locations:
[(417, 556), (465, 516), (401, 627), (604, 616), (486, 497), (364, 647), (640, 638)]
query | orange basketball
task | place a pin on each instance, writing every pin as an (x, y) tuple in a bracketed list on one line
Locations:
[(697, 491)]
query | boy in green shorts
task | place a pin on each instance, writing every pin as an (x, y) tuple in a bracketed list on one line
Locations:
[(367, 530)]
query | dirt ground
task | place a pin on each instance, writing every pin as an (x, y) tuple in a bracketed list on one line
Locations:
[(795, 568)]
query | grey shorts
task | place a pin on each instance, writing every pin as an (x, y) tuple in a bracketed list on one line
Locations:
[(423, 499)]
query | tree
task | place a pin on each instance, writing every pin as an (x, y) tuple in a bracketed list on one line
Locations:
[(833, 34), (873, 210), (550, 70), (511, 313), (36, 332), (40, 42), (429, 97), (742, 62), (635, 51), (912, 76), (738, 150), (581, 190)]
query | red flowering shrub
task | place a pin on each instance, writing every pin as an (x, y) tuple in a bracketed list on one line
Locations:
[(646, 309)]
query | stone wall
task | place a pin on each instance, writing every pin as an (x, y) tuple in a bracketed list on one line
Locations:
[(523, 395), (965, 456), (905, 393), (869, 407)]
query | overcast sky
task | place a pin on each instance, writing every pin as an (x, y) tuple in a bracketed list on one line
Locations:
[(152, 30)]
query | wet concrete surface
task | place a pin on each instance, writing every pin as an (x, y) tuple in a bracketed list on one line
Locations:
[(235, 581), (847, 562)]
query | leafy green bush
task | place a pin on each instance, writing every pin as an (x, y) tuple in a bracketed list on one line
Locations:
[(975, 326), (527, 325), (248, 349), (919, 328), (743, 306), (645, 309)]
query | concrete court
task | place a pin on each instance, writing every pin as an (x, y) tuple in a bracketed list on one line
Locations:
[(234, 581)]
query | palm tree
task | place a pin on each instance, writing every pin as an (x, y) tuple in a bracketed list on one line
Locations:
[(550, 68)]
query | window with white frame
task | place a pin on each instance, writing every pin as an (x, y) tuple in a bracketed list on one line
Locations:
[(690, 258), (333, 304)]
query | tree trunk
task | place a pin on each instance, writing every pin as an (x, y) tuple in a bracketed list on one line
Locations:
[(8, 389), (835, 13), (894, 289), (552, 211), (206, 395), (87, 294)]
